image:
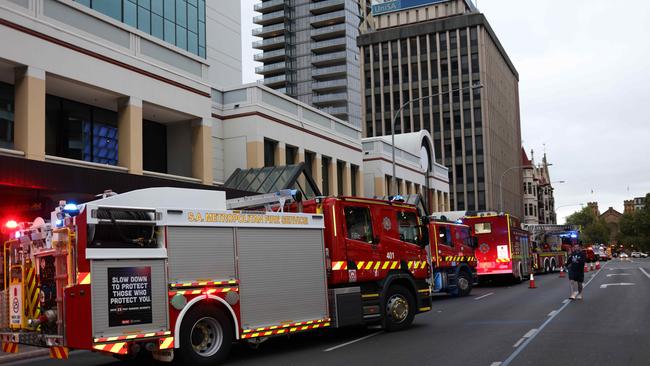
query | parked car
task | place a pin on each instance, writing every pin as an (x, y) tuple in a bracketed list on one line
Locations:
[(623, 255), (643, 255), (635, 255)]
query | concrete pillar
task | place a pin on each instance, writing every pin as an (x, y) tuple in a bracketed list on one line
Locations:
[(29, 117), (129, 130), (202, 151), (347, 182), (334, 179), (255, 154), (280, 154), (360, 188), (317, 170), (380, 186), (402, 187), (435, 204)]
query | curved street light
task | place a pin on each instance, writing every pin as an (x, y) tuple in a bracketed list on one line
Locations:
[(399, 111)]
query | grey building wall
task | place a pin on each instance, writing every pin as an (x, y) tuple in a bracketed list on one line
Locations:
[(223, 42), (476, 131), (309, 52)]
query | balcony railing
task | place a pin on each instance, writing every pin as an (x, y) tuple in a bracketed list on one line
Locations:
[(269, 18), (330, 98), (269, 30), (269, 43), (329, 85), (269, 6), (271, 69), (335, 44), (328, 18), (329, 58), (270, 56), (321, 7), (275, 81), (330, 31), (326, 72)]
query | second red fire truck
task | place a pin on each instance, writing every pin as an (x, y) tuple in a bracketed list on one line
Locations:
[(184, 273)]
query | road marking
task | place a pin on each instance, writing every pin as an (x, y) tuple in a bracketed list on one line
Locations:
[(516, 352), (518, 342), (605, 285), (484, 296), (530, 333), (495, 364), (618, 274), (353, 341), (565, 301), (552, 313), (644, 272)]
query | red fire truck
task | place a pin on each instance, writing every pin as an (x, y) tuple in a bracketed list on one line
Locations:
[(452, 257), (550, 245), (503, 246), (184, 273)]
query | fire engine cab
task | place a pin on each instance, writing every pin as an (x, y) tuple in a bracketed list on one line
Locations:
[(452, 256), (183, 273)]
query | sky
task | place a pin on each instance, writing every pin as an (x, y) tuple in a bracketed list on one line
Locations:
[(584, 83)]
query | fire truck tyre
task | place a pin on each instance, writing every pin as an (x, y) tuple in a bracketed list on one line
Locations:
[(399, 308), (206, 337), (464, 284)]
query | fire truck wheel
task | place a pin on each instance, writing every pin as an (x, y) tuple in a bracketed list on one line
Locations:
[(464, 284), (399, 308), (206, 336)]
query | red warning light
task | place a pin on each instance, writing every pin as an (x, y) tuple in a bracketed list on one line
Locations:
[(11, 224)]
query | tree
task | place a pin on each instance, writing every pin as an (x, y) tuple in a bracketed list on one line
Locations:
[(594, 229), (635, 228)]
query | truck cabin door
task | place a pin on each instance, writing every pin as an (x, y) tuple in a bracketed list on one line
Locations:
[(445, 244), (362, 243), (410, 237)]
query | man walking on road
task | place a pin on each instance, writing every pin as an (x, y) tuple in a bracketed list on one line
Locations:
[(576, 268)]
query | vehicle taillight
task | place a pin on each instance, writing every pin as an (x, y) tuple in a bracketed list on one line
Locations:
[(11, 224)]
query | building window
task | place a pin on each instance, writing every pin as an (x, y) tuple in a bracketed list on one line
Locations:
[(340, 170), (358, 224), (179, 22), (291, 154), (269, 152), (325, 166), (154, 146), (6, 116), (354, 173), (80, 131)]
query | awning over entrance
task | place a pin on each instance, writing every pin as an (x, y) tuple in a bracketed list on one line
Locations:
[(273, 179)]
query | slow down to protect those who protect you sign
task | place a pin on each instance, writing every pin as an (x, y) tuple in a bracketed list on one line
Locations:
[(129, 296)]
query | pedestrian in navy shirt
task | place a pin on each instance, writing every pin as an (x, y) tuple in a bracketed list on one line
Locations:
[(576, 267)]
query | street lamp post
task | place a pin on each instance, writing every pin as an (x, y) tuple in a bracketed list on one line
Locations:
[(399, 111)]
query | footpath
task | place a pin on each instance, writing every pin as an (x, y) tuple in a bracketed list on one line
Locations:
[(24, 352)]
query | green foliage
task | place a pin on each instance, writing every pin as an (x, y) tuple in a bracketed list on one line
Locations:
[(594, 229), (635, 228)]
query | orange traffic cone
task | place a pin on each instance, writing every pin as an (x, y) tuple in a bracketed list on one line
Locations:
[(597, 264), (562, 272), (531, 283), (586, 268)]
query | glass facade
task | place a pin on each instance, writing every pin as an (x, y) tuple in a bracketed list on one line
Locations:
[(79, 131), (6, 116), (179, 22)]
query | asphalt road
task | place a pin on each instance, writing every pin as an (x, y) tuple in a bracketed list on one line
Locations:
[(496, 325)]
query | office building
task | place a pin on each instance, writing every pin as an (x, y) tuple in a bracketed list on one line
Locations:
[(309, 52), (433, 54), (99, 95)]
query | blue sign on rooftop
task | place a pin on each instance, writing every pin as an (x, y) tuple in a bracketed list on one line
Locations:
[(389, 6)]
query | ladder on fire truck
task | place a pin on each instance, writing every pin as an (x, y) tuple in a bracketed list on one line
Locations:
[(267, 200)]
